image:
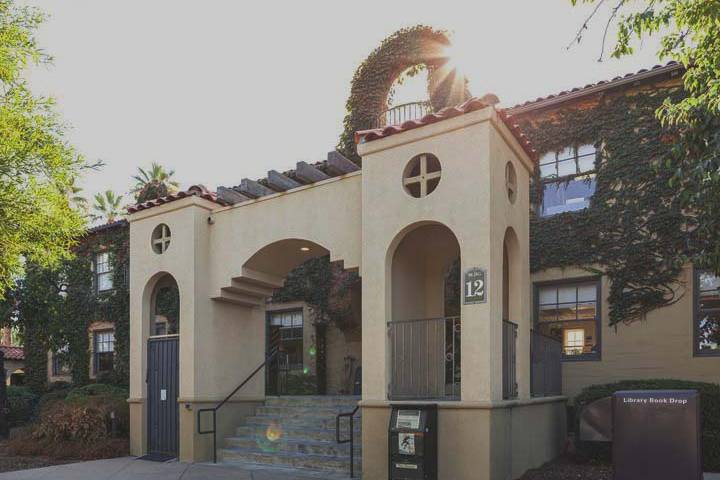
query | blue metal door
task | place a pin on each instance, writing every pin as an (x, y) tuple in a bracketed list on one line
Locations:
[(163, 388)]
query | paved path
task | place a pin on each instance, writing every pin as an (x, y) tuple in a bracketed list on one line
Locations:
[(129, 468)]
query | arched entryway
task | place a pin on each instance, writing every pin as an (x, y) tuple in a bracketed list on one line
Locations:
[(424, 327), (163, 367), (312, 319)]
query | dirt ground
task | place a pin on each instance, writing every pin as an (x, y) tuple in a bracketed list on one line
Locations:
[(567, 469), (10, 463)]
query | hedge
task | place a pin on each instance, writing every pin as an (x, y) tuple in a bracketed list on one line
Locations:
[(21, 405), (709, 414)]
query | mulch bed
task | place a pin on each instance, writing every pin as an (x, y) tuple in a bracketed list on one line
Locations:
[(11, 463), (569, 469)]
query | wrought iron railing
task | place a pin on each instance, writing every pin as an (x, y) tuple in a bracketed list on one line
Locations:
[(350, 439), (546, 365), (402, 113), (425, 359), (509, 352), (213, 410)]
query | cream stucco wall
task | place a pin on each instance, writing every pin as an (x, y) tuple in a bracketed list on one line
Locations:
[(661, 346), (220, 342), (471, 201)]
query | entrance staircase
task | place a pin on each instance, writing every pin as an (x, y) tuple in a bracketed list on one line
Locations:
[(297, 432)]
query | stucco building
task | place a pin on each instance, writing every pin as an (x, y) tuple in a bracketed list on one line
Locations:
[(437, 224)]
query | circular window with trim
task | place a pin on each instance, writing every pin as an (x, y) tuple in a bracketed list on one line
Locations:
[(511, 182), (422, 175), (160, 240)]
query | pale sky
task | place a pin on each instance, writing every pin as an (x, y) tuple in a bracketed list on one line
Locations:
[(221, 90)]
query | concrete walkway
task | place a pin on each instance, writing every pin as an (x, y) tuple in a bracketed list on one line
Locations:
[(130, 468)]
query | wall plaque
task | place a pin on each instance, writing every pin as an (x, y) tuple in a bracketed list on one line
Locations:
[(474, 286)]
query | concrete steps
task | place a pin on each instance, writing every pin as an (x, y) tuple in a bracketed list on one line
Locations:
[(297, 432)]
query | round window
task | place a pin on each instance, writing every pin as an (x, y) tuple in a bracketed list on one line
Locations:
[(511, 182), (422, 175), (160, 240)]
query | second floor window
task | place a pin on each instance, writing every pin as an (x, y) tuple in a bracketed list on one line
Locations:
[(103, 272), (568, 179)]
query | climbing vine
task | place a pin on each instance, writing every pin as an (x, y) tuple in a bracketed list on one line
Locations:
[(53, 308), (406, 51), (635, 230), (326, 287)]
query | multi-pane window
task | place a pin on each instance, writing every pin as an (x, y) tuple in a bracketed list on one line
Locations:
[(568, 179), (103, 351), (59, 364), (103, 272), (570, 313), (290, 326), (707, 314)]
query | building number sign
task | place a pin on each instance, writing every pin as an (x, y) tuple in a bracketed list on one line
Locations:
[(475, 284)]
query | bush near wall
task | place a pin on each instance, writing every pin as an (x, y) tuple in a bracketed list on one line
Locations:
[(21, 405), (709, 414), (75, 423)]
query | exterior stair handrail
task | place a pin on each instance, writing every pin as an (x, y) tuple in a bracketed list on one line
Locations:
[(217, 407), (349, 440)]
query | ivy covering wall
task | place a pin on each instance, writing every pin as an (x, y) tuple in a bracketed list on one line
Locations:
[(635, 230), (53, 308)]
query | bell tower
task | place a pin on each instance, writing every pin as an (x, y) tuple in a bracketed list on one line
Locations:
[(446, 281)]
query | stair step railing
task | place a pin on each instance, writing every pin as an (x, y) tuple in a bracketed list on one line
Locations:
[(350, 439)]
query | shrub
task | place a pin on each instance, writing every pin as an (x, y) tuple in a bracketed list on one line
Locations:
[(96, 390), (709, 414), (21, 405), (62, 422)]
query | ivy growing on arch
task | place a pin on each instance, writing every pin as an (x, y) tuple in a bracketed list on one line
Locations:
[(405, 52)]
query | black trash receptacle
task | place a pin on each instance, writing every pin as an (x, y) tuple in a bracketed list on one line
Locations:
[(412, 448)]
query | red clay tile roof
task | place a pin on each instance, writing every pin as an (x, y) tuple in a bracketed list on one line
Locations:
[(670, 67), (13, 353), (195, 190), (469, 106)]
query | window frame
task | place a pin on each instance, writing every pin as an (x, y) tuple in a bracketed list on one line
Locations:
[(584, 357), (58, 368), (97, 273), (268, 324), (566, 179), (96, 353), (697, 352)]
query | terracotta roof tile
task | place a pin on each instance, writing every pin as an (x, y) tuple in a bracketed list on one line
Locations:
[(194, 191), (603, 84), (450, 112), (13, 353)]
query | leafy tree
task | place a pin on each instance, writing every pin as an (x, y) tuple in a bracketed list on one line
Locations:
[(107, 206), (690, 34), (153, 183), (37, 165)]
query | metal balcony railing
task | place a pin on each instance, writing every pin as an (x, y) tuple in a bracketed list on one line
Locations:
[(546, 366), (402, 113), (509, 352), (425, 359)]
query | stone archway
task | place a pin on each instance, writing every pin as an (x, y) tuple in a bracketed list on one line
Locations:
[(373, 80)]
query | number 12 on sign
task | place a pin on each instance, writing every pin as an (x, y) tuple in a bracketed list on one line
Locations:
[(475, 281)]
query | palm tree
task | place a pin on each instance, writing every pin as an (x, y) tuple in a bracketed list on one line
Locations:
[(153, 183), (108, 206), (75, 197)]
